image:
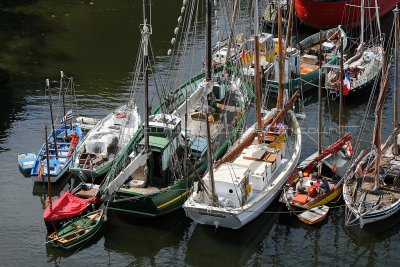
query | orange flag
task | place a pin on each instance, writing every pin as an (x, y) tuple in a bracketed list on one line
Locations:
[(40, 170), (334, 168)]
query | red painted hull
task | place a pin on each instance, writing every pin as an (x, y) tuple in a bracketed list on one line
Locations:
[(323, 14)]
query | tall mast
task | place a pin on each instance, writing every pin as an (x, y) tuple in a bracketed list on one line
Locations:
[(320, 96), (288, 28), (52, 120), (48, 165), (279, 103), (396, 74), (378, 123), (257, 72), (63, 100), (341, 90), (378, 22), (362, 23), (208, 41), (70, 102), (208, 79), (146, 34)]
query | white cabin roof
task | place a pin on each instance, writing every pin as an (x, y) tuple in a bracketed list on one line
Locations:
[(164, 121), (229, 173), (237, 170)]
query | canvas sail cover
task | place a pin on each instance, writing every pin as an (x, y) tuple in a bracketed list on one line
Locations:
[(66, 206)]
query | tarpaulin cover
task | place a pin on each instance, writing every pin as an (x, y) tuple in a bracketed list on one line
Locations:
[(67, 205)]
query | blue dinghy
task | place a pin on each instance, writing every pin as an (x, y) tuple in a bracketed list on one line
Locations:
[(58, 163), (26, 161)]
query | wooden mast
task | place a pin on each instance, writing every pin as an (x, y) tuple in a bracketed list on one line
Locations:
[(288, 28), (257, 72), (48, 165), (341, 90), (52, 120), (320, 100), (63, 100), (279, 103), (396, 75), (379, 125), (208, 79)]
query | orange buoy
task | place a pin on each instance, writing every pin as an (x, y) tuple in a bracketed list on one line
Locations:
[(120, 115)]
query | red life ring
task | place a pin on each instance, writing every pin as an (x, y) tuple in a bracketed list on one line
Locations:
[(120, 115)]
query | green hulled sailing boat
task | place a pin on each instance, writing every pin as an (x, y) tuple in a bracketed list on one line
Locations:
[(152, 177)]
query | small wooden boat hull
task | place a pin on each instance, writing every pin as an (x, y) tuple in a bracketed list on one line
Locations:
[(78, 231), (314, 215), (26, 161), (83, 199)]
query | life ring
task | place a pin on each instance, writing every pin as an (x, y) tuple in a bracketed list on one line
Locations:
[(332, 34), (120, 115)]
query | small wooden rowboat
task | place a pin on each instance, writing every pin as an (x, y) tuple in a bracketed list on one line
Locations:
[(78, 230), (81, 200), (26, 161), (314, 215)]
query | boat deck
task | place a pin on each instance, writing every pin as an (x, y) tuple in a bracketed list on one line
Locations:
[(138, 184), (367, 198), (225, 119)]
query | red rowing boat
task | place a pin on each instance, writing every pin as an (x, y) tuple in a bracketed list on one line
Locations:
[(323, 14)]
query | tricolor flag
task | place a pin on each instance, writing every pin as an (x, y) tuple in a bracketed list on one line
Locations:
[(346, 84), (67, 116)]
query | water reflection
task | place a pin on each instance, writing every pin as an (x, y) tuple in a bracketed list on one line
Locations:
[(230, 247), (143, 238)]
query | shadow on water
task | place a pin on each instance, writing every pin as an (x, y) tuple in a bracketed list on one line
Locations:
[(16, 3), (22, 46), (217, 247), (144, 237), (24, 39), (63, 184)]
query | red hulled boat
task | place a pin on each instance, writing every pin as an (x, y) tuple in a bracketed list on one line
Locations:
[(323, 14)]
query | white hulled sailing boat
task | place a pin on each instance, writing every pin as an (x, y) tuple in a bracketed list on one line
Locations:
[(363, 69), (374, 197), (245, 182)]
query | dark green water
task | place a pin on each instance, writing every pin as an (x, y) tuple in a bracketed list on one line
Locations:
[(96, 43)]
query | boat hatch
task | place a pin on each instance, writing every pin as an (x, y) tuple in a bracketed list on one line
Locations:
[(156, 143), (219, 91), (199, 147)]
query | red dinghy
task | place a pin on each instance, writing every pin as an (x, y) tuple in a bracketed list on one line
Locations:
[(66, 207), (329, 13)]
